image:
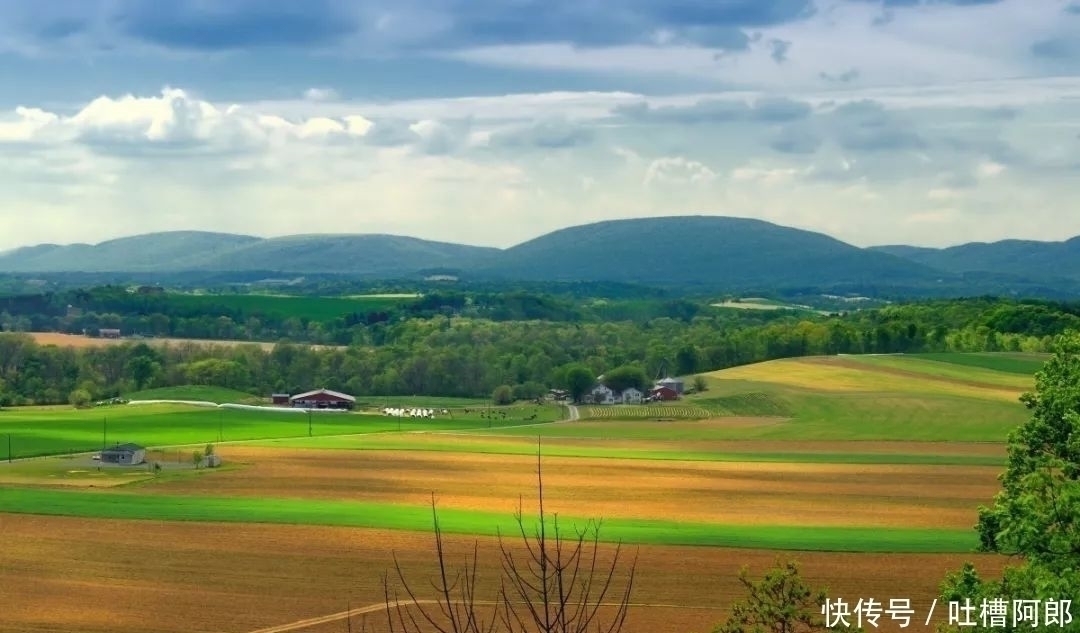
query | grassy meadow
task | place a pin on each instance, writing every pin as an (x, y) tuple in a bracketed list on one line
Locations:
[(201, 393), (870, 467), (43, 431)]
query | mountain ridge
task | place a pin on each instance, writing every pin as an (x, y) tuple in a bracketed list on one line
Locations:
[(702, 250)]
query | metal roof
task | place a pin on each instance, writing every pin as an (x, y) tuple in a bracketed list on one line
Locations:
[(124, 448), (328, 392)]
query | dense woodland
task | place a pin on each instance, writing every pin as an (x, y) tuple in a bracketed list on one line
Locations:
[(431, 353)]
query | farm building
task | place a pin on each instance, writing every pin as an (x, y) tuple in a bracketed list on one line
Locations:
[(663, 393), (109, 333), (674, 384), (322, 399), (559, 394), (124, 454), (600, 394), (630, 396), (279, 398)]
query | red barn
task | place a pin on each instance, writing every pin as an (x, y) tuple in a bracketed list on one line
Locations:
[(279, 398), (322, 399), (663, 393)]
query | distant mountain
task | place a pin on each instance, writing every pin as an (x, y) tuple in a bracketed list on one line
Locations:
[(721, 251), (707, 252), (173, 250), (1023, 258), (366, 255)]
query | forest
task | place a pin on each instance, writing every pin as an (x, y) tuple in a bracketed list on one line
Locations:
[(429, 352)]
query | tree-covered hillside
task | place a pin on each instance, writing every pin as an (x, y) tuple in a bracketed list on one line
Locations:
[(471, 356)]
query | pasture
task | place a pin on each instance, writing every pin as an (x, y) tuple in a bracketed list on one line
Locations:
[(200, 393), (39, 431), (868, 470)]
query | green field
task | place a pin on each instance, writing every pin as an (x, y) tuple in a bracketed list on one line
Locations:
[(1011, 362), (320, 309), (418, 518), (378, 402), (195, 392), (839, 400), (60, 430), (972, 370)]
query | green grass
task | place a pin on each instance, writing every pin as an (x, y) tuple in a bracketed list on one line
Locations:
[(195, 392), (826, 416), (455, 521), (1009, 362), (59, 430), (395, 442), (948, 370), (320, 309), (441, 402), (885, 416), (754, 403)]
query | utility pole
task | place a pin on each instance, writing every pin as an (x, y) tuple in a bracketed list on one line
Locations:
[(309, 422)]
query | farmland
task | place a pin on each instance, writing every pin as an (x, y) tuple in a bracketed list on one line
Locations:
[(629, 412), (79, 341), (313, 308), (59, 430), (869, 470)]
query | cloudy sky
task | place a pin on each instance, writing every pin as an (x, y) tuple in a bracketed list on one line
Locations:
[(929, 122)]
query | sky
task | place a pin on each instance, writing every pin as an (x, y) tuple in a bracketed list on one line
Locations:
[(924, 122)]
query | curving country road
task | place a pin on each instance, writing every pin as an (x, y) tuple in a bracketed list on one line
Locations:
[(574, 413)]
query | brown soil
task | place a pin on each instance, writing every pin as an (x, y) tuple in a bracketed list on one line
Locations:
[(991, 449), (95, 576), (79, 341), (732, 493)]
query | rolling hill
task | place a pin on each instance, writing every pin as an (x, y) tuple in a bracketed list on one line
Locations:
[(175, 250), (1025, 258), (367, 255), (706, 252), (734, 253)]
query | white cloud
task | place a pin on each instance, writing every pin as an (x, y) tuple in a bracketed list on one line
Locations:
[(321, 94), (989, 169), (124, 164), (677, 170), (765, 175), (27, 124)]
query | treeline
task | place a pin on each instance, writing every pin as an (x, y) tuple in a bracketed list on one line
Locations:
[(160, 314), (456, 356)]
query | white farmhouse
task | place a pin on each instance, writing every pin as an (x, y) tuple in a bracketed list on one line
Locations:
[(630, 396), (600, 394)]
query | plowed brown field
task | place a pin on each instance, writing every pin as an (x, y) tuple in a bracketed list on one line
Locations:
[(79, 341), (465, 440), (731, 493), (75, 575)]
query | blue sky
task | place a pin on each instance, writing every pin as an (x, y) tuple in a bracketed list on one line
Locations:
[(930, 122)]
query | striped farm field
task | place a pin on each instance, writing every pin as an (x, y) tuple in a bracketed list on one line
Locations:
[(633, 412)]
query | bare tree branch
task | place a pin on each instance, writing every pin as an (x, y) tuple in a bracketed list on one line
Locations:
[(560, 585)]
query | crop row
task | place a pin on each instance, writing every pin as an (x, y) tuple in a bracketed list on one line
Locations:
[(647, 411)]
